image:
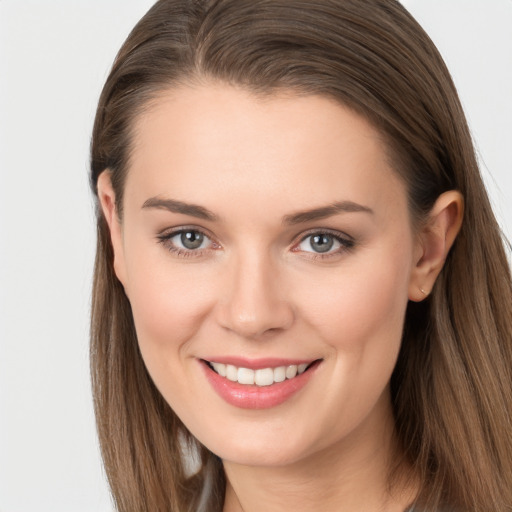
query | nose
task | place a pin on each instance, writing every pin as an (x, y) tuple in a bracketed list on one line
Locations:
[(254, 302)]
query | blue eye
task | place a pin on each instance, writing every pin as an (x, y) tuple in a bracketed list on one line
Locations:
[(190, 240), (186, 241), (320, 243), (324, 243)]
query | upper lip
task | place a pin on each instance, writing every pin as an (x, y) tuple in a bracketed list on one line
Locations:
[(258, 363)]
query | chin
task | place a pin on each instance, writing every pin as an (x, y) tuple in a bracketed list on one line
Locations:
[(271, 450), (261, 456)]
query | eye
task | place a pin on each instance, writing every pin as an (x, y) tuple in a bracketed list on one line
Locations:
[(190, 240), (186, 241), (320, 243), (324, 243)]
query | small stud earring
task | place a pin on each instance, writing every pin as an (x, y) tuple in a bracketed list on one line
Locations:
[(423, 291)]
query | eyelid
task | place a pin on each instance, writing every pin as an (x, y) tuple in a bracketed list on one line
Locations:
[(347, 242), (340, 235), (164, 237)]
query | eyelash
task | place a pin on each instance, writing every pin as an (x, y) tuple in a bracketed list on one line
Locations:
[(346, 243), (166, 237)]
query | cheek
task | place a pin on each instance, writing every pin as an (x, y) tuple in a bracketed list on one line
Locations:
[(359, 314), (362, 304), (169, 302), (169, 306)]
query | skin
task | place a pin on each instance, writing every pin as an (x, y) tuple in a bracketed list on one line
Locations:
[(257, 288)]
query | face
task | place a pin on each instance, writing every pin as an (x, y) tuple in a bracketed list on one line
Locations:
[(267, 252)]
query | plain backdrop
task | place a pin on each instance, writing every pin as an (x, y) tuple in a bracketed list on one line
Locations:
[(54, 58)]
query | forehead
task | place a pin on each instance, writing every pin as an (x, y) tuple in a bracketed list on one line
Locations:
[(197, 141)]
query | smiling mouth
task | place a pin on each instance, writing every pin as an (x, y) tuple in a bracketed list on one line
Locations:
[(260, 377)]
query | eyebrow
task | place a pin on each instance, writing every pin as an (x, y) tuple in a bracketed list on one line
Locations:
[(325, 211), (174, 206), (200, 212)]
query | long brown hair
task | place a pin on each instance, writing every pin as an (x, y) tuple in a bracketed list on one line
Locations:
[(452, 386)]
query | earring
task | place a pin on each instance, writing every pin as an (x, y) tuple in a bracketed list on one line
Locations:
[(423, 291)]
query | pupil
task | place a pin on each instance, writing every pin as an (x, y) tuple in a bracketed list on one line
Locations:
[(322, 243), (192, 239)]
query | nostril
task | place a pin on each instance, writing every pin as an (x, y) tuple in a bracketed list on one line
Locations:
[(259, 324)]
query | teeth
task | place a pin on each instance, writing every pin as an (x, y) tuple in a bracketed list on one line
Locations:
[(231, 372), (302, 368), (264, 377), (220, 368), (245, 376), (261, 377), (291, 371), (280, 374)]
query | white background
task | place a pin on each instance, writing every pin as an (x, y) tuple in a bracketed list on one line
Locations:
[(54, 58)]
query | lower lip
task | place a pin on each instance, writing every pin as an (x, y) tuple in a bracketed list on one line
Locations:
[(257, 397)]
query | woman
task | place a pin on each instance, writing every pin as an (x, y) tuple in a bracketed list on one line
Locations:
[(299, 278)]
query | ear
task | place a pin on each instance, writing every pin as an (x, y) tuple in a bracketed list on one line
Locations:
[(107, 199), (434, 241)]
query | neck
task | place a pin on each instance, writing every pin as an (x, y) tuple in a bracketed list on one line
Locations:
[(350, 476)]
